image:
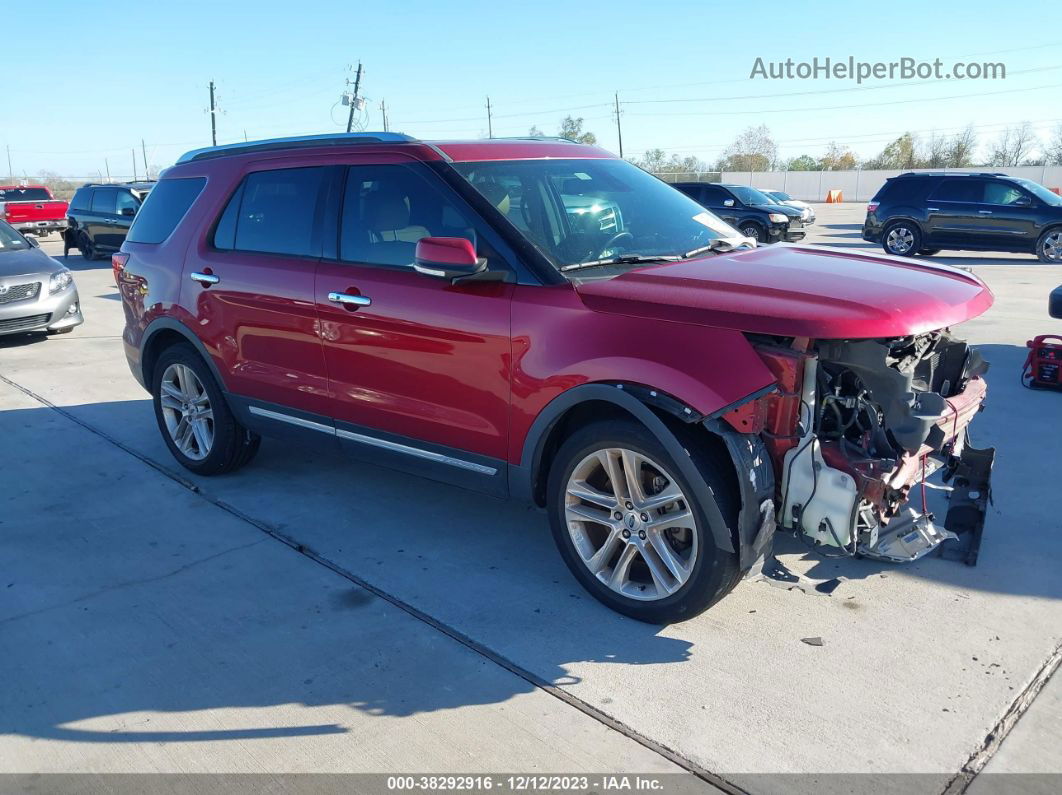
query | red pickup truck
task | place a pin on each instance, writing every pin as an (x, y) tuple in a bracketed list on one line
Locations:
[(32, 208)]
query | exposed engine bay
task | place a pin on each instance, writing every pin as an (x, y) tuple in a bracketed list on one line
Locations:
[(855, 430)]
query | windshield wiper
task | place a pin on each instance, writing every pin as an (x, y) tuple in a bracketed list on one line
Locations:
[(719, 244), (622, 259)]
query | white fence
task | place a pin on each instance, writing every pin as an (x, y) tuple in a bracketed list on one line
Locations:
[(861, 185)]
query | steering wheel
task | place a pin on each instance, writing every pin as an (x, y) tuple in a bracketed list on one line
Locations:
[(613, 241)]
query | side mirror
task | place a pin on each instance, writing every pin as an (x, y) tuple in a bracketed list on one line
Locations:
[(33, 241), (1054, 306), (447, 258), (728, 203), (129, 211), (1023, 201)]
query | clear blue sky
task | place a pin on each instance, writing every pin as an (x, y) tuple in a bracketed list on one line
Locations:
[(83, 85)]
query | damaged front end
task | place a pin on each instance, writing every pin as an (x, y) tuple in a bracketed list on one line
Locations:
[(857, 427)]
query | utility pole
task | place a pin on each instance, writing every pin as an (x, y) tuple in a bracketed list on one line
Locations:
[(383, 110), (490, 122), (354, 99), (108, 166), (10, 171), (619, 127), (143, 149), (133, 151), (213, 118), (245, 136)]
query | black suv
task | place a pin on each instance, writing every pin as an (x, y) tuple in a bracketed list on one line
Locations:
[(925, 213), (755, 214), (101, 214)]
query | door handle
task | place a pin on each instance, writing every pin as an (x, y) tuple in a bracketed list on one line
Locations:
[(933, 209), (204, 278), (984, 212), (349, 300)]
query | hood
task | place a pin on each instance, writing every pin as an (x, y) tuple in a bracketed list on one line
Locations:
[(22, 262), (792, 212), (797, 291)]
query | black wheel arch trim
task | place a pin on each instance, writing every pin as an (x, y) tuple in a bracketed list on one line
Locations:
[(170, 324), (522, 476)]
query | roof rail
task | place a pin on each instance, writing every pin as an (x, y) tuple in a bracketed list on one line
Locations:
[(119, 183), (295, 142), (534, 138), (953, 174)]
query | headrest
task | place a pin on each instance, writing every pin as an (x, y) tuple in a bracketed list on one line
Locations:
[(387, 212)]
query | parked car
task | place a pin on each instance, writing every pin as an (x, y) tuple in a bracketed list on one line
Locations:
[(747, 209), (807, 212), (925, 213), (100, 216), (36, 292), (665, 394), (32, 209)]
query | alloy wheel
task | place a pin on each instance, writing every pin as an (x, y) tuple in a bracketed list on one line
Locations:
[(187, 411), (753, 232), (631, 524), (1052, 247), (900, 240)]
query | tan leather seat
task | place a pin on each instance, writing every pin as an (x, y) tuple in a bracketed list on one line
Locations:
[(388, 220)]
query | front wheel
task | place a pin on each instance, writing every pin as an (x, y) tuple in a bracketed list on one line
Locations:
[(630, 527), (1049, 247), (195, 421), (902, 239), (755, 231), (88, 250)]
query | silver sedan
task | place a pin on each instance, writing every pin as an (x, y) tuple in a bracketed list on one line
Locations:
[(36, 292)]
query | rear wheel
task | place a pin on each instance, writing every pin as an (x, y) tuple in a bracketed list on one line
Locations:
[(1049, 247), (88, 250), (630, 527), (901, 239), (195, 421)]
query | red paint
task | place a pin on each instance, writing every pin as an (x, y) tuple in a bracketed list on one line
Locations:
[(445, 251), (798, 291)]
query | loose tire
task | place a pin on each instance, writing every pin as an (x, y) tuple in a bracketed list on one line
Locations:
[(193, 417), (1049, 246), (901, 239), (755, 231), (630, 527)]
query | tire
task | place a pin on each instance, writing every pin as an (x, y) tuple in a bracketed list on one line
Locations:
[(1049, 246), (88, 251), (755, 231), (217, 443), (928, 252), (621, 549), (901, 239)]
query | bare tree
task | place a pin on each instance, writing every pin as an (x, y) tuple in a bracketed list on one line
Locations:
[(1013, 146), (656, 162), (901, 153), (935, 154), (753, 150), (1053, 150), (534, 132), (961, 148)]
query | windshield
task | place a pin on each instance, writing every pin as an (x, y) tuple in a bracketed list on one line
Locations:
[(581, 211), (10, 240), (1040, 192), (782, 195), (751, 195), (24, 195)]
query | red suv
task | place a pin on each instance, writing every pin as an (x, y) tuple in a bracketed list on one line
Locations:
[(539, 319)]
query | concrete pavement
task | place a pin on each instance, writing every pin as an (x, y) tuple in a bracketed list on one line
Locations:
[(919, 662)]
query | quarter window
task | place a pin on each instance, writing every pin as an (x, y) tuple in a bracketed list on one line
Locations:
[(164, 208), (125, 201)]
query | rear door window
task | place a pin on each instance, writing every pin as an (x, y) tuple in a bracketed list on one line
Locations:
[(82, 199), (275, 212), (958, 189), (163, 209), (103, 200)]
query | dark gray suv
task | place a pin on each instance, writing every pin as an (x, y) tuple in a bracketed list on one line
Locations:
[(100, 216)]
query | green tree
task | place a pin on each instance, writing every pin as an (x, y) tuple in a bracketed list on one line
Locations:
[(901, 153), (802, 163), (837, 158), (572, 129)]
